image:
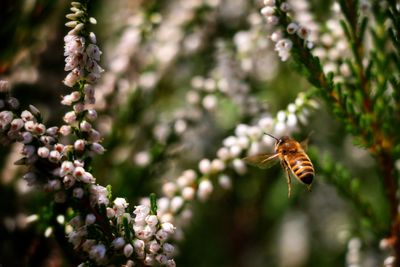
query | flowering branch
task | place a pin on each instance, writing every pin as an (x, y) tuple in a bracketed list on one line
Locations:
[(101, 231), (358, 109)]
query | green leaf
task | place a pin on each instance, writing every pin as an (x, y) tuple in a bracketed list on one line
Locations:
[(153, 204)]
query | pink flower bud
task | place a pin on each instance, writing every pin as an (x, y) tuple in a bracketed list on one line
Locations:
[(26, 115), (65, 130), (43, 152), (79, 145), (70, 117), (68, 181), (54, 156), (85, 126)]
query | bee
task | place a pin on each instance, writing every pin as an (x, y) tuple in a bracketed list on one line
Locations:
[(292, 157)]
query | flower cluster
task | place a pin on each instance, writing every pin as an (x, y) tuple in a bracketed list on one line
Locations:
[(151, 245), (81, 52), (332, 46), (101, 228), (283, 42), (253, 50)]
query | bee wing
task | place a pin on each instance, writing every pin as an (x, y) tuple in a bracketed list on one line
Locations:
[(304, 143), (262, 161)]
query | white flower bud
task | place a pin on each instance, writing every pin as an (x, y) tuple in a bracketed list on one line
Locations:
[(90, 219), (161, 259), (223, 153), (210, 102), (169, 189), (110, 212), (267, 11), (85, 126), (149, 260), (205, 166), (281, 116), (27, 137), (142, 158), (272, 20), (118, 243), (70, 117), (26, 115), (169, 228), (229, 141), (52, 130), (154, 246), (79, 107), (87, 177), (180, 126), (94, 136), (79, 145), (291, 120), (235, 151), (97, 148), (225, 181), (78, 172), (43, 152), (128, 250), (188, 193), (285, 7), (17, 124), (92, 38), (54, 156), (71, 24), (239, 166), (163, 204), (161, 235), (66, 168), (217, 165), (276, 36), (68, 181), (139, 246), (91, 114), (168, 248), (151, 220), (243, 142), (176, 203), (303, 32), (65, 130), (205, 189), (190, 175)]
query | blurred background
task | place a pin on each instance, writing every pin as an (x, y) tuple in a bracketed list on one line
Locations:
[(162, 110)]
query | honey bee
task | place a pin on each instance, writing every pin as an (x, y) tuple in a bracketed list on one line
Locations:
[(292, 157)]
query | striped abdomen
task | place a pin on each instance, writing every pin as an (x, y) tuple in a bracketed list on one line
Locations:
[(302, 168)]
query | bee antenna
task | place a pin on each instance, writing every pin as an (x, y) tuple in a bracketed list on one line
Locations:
[(272, 136)]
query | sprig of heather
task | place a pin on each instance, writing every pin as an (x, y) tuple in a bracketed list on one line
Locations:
[(363, 102), (102, 230)]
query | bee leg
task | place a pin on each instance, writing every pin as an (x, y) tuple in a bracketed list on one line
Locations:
[(288, 181), (309, 188)]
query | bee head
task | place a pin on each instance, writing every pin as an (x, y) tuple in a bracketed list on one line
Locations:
[(283, 139)]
